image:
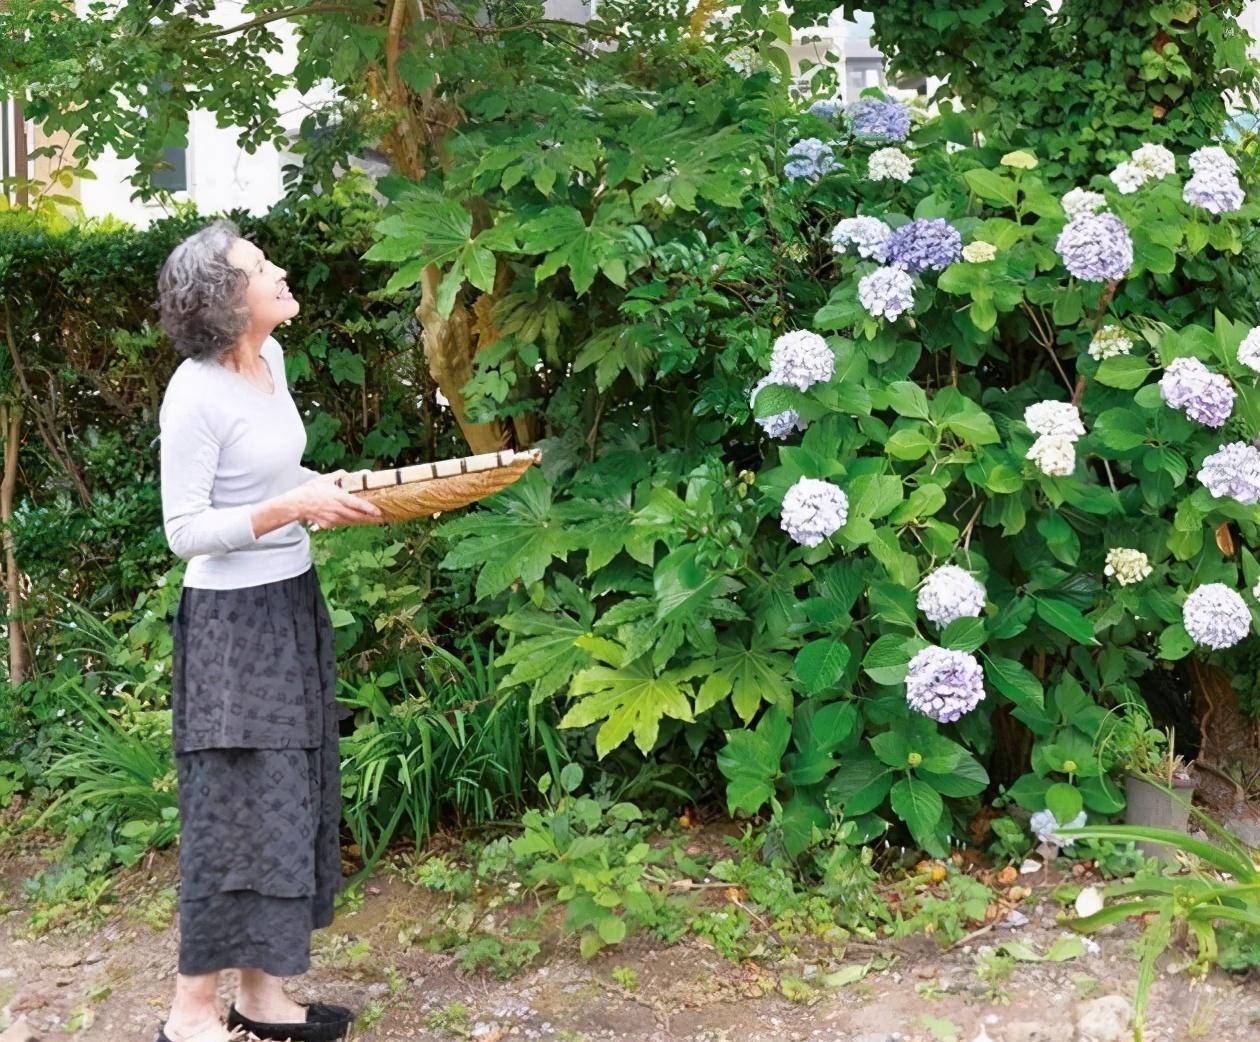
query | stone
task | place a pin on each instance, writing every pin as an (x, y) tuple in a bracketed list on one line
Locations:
[(19, 1031), (1105, 1019), (32, 996)]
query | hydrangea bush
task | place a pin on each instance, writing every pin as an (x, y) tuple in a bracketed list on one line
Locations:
[(1031, 478), (861, 479)]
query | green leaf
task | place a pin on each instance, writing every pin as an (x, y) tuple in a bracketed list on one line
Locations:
[(820, 663), (1175, 643), (919, 806), (991, 186), (908, 399), (1015, 682), (1066, 619), (1064, 802), (963, 634), (630, 699), (1124, 371)]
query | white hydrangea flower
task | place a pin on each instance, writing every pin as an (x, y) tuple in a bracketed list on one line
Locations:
[(1156, 160), (1127, 566), (886, 292), (1051, 417), (1216, 616), (1055, 454), (1081, 200), (1129, 177), (1110, 341), (802, 358), (869, 234), (780, 424), (813, 510), (889, 164), (1212, 157), (979, 252), (1249, 350), (1045, 827), (951, 593)]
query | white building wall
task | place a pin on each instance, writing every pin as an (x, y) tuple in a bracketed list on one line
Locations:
[(220, 174)]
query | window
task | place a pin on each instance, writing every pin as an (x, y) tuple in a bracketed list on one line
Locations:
[(860, 73), (173, 178)]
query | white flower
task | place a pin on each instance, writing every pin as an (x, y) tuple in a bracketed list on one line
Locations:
[(802, 358), (1249, 350), (1213, 157), (889, 164), (1046, 827), (951, 593), (1081, 200), (813, 510), (1129, 177), (1109, 341), (1156, 160), (1216, 616), (886, 292), (1055, 454), (1051, 417), (868, 234), (1127, 566), (979, 252)]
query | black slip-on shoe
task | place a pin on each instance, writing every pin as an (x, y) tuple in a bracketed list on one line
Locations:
[(324, 1023)]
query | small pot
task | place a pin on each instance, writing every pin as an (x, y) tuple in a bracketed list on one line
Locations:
[(1147, 804)]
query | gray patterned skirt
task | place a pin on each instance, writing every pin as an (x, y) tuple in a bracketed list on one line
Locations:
[(255, 729)]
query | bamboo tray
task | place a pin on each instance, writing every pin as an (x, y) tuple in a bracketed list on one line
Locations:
[(426, 489)]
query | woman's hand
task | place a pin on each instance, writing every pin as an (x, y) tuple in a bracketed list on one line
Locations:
[(323, 505)]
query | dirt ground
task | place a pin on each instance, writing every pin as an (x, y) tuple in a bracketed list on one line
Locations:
[(112, 983)]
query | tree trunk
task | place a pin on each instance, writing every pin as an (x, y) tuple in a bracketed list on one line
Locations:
[(19, 664)]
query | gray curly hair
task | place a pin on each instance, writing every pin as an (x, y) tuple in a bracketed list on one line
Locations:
[(201, 293)]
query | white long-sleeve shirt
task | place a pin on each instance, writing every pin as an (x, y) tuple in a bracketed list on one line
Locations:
[(227, 445)]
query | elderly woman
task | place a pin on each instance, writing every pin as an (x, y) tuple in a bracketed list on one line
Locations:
[(253, 710)]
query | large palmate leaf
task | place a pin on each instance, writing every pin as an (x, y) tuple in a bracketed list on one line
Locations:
[(629, 696), (610, 242), (546, 654), (749, 674), (516, 535)]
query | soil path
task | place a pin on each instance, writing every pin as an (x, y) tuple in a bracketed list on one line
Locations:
[(111, 982)]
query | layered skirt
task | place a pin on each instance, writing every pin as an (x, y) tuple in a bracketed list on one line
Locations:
[(255, 729)]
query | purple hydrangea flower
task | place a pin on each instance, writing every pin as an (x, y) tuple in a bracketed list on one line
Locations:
[(809, 159), (886, 292), (1212, 157), (1215, 189), (951, 593), (1233, 471), (812, 510), (944, 684), (1096, 247), (874, 120), (1216, 616), (1205, 396), (925, 244)]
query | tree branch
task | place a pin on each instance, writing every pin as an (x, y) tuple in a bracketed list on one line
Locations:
[(275, 16)]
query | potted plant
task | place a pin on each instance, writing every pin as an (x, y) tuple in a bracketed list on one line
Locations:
[(1158, 785)]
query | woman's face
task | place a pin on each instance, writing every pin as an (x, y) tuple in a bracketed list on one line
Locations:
[(267, 295)]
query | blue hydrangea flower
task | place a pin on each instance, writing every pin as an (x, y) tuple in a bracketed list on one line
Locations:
[(809, 159), (871, 119), (926, 244), (1096, 247), (826, 108)]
